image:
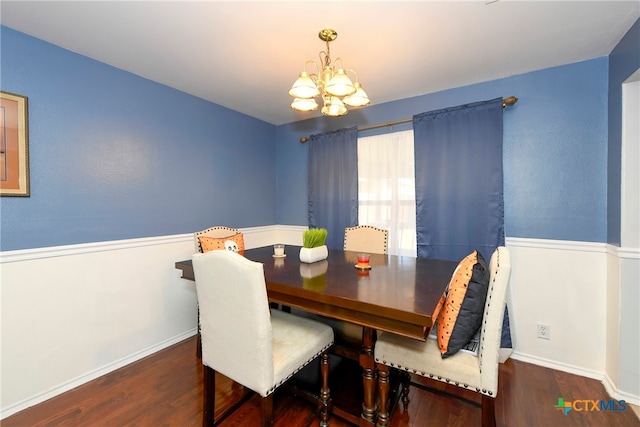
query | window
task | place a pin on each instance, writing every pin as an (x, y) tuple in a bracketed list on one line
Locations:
[(386, 188)]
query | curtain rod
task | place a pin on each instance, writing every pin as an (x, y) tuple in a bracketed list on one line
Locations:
[(505, 102)]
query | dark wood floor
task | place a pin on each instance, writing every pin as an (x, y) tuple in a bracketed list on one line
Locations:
[(165, 389)]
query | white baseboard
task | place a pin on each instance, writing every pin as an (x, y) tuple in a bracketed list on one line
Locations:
[(90, 376), (576, 370), (617, 394), (558, 366)]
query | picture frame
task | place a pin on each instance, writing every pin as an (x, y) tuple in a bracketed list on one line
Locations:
[(14, 145)]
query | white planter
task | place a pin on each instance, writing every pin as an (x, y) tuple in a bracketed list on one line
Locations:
[(310, 255)]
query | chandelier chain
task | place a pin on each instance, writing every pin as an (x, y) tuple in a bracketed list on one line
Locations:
[(327, 55)]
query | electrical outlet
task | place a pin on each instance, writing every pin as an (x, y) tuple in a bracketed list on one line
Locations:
[(544, 331)]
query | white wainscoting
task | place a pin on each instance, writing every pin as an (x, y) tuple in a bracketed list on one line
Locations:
[(579, 289), (561, 284), (71, 314)]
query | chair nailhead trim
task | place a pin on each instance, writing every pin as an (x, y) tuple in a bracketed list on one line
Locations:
[(415, 371)]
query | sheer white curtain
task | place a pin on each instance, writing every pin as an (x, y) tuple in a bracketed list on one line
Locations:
[(386, 188)]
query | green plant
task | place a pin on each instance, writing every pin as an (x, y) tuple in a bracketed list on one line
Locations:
[(314, 237)]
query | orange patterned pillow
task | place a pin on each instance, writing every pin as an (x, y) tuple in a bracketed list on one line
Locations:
[(459, 314), (233, 243)]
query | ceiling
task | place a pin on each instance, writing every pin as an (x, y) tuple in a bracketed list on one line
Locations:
[(246, 55)]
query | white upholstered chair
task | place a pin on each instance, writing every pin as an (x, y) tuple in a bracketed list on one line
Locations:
[(246, 341), (366, 238), (217, 232), (477, 373)]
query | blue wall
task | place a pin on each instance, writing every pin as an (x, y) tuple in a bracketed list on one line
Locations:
[(555, 149), (624, 60), (115, 156)]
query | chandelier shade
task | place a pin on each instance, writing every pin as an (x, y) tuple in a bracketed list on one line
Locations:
[(333, 107), (340, 85), (304, 87), (332, 83), (304, 104), (358, 99)]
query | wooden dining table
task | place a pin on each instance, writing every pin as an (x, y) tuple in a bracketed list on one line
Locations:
[(397, 295)]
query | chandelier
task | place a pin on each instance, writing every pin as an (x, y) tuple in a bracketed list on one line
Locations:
[(332, 84)]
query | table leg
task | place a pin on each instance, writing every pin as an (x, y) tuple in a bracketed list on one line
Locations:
[(368, 374), (383, 393)]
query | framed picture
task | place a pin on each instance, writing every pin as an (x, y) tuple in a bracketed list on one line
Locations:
[(14, 145)]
